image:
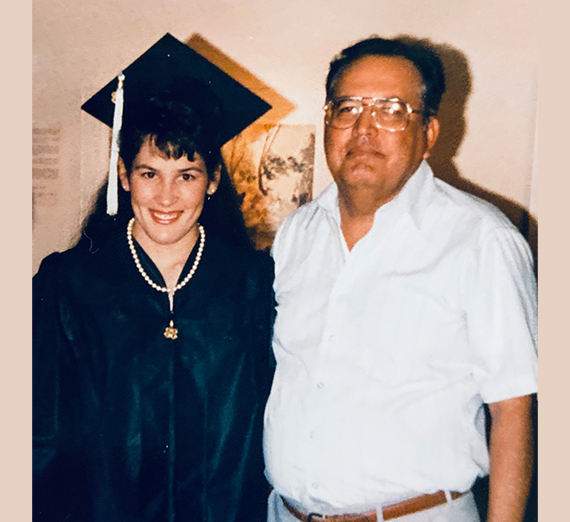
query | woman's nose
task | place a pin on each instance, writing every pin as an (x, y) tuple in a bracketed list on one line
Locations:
[(167, 193)]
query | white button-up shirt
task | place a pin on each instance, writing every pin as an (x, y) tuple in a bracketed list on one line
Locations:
[(385, 353)]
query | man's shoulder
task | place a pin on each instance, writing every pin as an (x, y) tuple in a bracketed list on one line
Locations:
[(313, 210), (303, 229), (466, 210)]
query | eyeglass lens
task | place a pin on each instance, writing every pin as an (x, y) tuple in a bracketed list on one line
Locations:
[(388, 114)]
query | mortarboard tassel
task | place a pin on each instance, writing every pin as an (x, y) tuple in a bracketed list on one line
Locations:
[(112, 187)]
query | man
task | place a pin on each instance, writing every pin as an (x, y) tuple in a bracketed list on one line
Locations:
[(403, 305)]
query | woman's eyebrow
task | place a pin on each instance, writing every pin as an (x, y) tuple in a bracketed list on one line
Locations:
[(143, 166)]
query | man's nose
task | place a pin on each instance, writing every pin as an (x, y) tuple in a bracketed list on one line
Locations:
[(366, 122)]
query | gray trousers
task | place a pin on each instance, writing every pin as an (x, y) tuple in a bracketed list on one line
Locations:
[(460, 510)]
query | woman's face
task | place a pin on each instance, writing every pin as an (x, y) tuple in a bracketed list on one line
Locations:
[(167, 196)]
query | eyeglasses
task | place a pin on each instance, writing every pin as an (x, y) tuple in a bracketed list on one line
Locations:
[(391, 114)]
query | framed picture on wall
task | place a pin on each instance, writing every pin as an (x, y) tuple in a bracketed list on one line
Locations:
[(273, 175)]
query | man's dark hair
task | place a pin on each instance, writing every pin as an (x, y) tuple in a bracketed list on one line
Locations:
[(181, 121), (425, 60)]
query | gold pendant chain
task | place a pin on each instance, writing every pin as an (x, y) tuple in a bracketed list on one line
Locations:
[(170, 332)]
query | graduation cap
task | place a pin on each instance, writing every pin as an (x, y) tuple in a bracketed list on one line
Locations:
[(154, 72)]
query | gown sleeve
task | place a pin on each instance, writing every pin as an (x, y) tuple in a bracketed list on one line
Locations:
[(264, 312), (59, 486), (244, 495)]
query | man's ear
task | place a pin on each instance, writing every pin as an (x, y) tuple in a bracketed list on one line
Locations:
[(215, 181), (432, 132), (122, 170)]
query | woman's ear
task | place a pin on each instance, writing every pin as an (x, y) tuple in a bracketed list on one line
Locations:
[(122, 170), (215, 181)]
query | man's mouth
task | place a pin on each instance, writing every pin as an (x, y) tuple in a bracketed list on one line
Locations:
[(363, 151)]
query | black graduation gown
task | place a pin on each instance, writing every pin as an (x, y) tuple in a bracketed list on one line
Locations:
[(132, 426)]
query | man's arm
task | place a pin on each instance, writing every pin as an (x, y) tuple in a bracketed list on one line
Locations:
[(511, 458)]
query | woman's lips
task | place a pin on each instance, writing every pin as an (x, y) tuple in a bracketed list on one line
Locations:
[(165, 218)]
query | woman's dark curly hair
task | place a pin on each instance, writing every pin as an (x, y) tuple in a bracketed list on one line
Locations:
[(184, 120)]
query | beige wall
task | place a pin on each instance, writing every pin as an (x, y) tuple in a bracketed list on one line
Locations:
[(490, 47)]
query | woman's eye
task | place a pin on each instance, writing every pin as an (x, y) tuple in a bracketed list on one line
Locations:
[(187, 177), (147, 174)]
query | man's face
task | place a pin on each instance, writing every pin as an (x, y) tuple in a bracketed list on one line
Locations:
[(366, 156)]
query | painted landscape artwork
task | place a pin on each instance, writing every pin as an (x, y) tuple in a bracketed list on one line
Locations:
[(272, 169)]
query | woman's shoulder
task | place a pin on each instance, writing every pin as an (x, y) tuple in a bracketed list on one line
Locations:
[(238, 254), (231, 262), (78, 263), (58, 262), (53, 274)]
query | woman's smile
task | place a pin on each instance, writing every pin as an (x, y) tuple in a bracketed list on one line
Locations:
[(162, 217)]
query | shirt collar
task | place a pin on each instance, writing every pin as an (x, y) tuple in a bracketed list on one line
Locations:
[(412, 200), (415, 195)]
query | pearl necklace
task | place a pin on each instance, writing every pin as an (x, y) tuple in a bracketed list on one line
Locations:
[(170, 332)]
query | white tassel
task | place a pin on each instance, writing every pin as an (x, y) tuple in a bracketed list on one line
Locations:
[(112, 187)]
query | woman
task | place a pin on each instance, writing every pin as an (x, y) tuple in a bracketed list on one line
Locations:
[(152, 339)]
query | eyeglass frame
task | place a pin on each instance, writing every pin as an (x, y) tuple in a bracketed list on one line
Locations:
[(360, 99)]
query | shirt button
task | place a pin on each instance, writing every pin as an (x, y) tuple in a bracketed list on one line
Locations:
[(320, 385), (316, 485)]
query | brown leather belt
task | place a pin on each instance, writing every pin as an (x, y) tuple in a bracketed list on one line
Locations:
[(407, 507)]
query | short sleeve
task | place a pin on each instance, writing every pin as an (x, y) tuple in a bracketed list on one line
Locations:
[(501, 315)]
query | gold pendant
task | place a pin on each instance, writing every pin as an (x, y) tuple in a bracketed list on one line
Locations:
[(171, 332)]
